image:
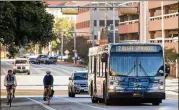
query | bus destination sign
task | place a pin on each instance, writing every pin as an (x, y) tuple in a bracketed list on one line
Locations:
[(135, 48)]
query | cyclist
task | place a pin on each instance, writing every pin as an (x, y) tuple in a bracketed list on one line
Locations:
[(10, 80), (48, 83)]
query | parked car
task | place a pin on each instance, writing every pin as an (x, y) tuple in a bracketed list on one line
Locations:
[(33, 59), (78, 83), (21, 65), (43, 59), (52, 59)]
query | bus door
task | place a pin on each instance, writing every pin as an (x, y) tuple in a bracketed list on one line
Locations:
[(94, 71)]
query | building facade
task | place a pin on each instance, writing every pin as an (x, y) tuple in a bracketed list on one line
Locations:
[(93, 20), (130, 27)]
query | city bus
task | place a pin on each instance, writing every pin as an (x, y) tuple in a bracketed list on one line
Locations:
[(127, 71)]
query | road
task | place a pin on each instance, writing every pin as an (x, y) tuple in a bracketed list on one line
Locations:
[(81, 103), (32, 100)]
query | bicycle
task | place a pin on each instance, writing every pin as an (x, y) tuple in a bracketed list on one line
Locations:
[(10, 95)]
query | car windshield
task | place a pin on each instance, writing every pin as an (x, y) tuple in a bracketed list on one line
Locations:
[(80, 76), (20, 61), (133, 64)]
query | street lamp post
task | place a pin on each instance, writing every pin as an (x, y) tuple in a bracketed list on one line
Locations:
[(114, 26), (61, 45)]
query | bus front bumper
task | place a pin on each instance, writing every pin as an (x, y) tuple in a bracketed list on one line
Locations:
[(147, 95)]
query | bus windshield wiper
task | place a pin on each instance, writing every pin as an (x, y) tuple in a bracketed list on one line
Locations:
[(133, 68), (115, 74)]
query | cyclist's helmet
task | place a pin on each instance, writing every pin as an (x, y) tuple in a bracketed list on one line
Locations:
[(48, 72)]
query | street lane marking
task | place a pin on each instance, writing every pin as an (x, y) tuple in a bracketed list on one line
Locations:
[(80, 103), (4, 71), (43, 105)]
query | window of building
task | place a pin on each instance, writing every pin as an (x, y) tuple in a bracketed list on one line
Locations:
[(95, 23), (116, 22), (101, 22), (109, 22)]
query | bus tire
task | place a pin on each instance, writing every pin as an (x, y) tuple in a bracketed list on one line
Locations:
[(72, 94), (93, 99), (107, 102), (155, 103)]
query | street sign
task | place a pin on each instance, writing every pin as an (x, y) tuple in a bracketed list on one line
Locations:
[(69, 11), (74, 50), (128, 11), (67, 52)]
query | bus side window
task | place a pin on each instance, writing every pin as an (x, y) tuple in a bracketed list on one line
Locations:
[(90, 66), (94, 64), (91, 60), (104, 68), (97, 66), (101, 67)]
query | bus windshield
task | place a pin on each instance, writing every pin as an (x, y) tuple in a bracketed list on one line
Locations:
[(136, 64)]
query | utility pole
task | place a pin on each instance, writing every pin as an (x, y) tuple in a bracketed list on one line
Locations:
[(92, 26), (75, 51), (163, 34), (61, 46), (114, 26)]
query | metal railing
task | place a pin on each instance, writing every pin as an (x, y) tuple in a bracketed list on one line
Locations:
[(151, 18), (129, 22), (165, 16)]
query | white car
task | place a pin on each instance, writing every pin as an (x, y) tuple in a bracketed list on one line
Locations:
[(21, 65)]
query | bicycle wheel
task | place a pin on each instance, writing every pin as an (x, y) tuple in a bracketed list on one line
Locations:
[(10, 99)]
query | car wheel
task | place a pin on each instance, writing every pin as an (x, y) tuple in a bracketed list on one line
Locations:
[(72, 94), (69, 93), (28, 73)]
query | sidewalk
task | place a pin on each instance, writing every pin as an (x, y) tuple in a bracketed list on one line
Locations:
[(70, 64), (172, 85)]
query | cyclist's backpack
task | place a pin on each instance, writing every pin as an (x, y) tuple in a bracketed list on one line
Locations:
[(52, 93)]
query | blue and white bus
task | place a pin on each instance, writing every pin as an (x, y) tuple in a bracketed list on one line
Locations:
[(127, 71)]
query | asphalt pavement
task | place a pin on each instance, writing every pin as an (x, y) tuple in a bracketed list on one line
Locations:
[(81, 103)]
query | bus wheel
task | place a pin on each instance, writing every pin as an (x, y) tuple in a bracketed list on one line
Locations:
[(155, 103), (107, 102), (94, 99)]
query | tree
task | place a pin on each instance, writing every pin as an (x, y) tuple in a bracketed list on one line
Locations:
[(171, 55), (62, 24), (22, 23), (82, 47)]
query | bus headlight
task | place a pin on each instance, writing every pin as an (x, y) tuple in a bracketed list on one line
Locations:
[(111, 83), (77, 85), (111, 88), (161, 85)]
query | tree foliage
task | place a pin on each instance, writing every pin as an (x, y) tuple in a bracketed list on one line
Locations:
[(25, 22), (62, 24), (171, 55), (82, 47)]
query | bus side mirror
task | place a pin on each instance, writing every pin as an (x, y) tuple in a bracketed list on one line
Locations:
[(167, 70), (70, 78), (104, 57)]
